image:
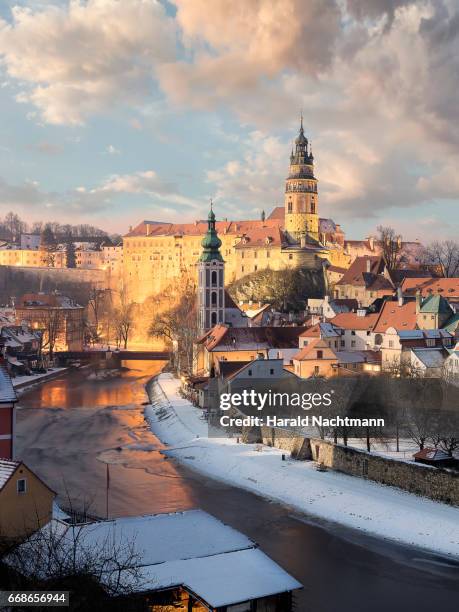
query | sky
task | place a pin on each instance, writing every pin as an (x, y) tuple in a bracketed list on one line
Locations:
[(115, 111)]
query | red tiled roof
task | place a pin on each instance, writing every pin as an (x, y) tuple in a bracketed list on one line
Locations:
[(310, 351), (351, 303), (223, 338), (447, 287), (336, 269), (277, 213), (351, 320), (261, 237), (358, 274), (399, 317), (199, 228)]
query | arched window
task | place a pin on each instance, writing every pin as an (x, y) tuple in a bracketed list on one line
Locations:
[(289, 208), (214, 277), (313, 207), (213, 318), (213, 298)]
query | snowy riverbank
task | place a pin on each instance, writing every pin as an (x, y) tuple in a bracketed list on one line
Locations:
[(360, 504), (22, 382)]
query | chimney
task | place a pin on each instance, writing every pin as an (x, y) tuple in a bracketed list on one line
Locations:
[(371, 242), (148, 229), (368, 265), (418, 301), (400, 296)]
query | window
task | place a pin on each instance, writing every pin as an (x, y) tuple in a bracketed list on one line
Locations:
[(391, 344), (255, 268), (352, 343), (290, 256), (242, 268), (213, 318), (352, 333), (430, 342), (214, 277), (320, 354), (268, 254), (271, 371), (343, 343), (21, 485), (250, 372), (214, 298), (316, 370), (289, 207)]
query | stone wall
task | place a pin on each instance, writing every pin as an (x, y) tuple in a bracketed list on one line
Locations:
[(16, 280), (439, 484), (288, 440)]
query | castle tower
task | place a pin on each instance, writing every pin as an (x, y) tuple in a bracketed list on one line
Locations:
[(211, 279), (301, 202)]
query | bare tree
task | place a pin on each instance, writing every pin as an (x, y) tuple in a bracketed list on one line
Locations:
[(391, 246), (177, 324), (444, 256), (59, 554), (52, 328), (14, 225), (97, 302), (123, 319)]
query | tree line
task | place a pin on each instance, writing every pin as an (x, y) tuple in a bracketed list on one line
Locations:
[(12, 226)]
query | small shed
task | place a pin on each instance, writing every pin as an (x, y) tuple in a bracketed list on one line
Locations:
[(436, 457)]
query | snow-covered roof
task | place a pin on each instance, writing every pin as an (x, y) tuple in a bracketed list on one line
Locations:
[(191, 549), (224, 579), (431, 358), (7, 469), (420, 334), (7, 393)]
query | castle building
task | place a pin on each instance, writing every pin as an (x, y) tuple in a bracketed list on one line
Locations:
[(301, 200), (157, 253), (211, 279)]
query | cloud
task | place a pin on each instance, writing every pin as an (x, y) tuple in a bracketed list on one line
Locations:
[(237, 48), (112, 150), (148, 183), (77, 60)]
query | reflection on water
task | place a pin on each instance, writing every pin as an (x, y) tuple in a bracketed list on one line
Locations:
[(71, 427)]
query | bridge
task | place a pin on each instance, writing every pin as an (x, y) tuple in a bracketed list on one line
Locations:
[(115, 355)]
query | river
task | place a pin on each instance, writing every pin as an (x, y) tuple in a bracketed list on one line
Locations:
[(69, 428)]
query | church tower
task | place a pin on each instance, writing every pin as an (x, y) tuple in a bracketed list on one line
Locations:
[(211, 279), (301, 202)]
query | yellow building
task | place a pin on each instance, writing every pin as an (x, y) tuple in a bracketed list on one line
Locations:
[(26, 502), (155, 254), (316, 359)]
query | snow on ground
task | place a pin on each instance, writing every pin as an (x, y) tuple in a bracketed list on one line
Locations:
[(20, 381), (354, 502)]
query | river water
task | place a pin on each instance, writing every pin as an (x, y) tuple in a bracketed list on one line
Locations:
[(70, 428)]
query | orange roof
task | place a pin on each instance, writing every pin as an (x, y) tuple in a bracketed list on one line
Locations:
[(448, 287), (310, 352), (351, 320), (199, 228), (399, 317), (262, 236), (358, 273)]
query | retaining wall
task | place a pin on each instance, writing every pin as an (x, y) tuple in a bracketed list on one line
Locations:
[(439, 484)]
